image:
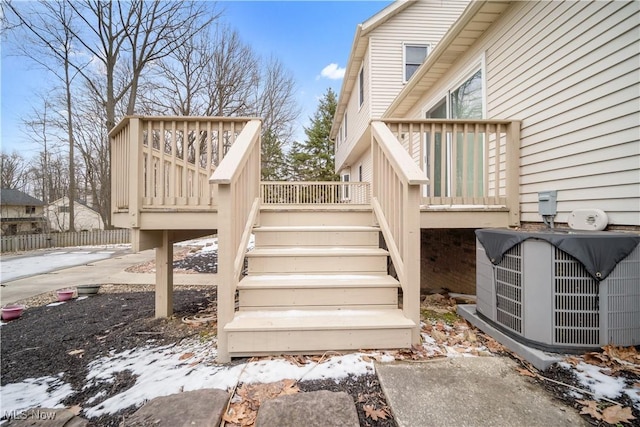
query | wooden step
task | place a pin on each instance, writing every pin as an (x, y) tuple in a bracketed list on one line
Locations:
[(316, 217), (354, 235), (314, 259), (313, 291), (309, 331)]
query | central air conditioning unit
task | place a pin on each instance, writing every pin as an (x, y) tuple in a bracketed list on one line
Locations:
[(543, 297)]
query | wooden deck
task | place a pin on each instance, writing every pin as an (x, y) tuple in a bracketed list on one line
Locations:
[(177, 178)]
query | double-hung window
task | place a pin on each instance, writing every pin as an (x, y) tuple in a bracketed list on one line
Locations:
[(414, 56)]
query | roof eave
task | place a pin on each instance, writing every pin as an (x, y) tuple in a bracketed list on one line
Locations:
[(356, 56), (416, 86)]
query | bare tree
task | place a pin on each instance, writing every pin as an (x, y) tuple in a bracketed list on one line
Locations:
[(37, 127), (277, 105), (49, 39), (113, 44), (13, 171), (208, 75)]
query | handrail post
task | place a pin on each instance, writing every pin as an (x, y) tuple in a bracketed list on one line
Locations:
[(136, 171), (512, 165)]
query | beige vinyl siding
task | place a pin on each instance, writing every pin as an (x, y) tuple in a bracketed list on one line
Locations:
[(423, 23), (367, 166), (569, 71), (578, 95), (357, 115)]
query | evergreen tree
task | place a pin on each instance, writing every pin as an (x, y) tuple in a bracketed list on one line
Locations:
[(272, 158), (313, 160)]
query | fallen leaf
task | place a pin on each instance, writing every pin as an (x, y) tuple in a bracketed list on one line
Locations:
[(525, 372), (617, 414), (366, 358), (590, 408), (573, 360), (596, 358), (75, 409), (186, 356), (375, 414)]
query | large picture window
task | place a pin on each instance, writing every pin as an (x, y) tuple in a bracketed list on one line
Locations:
[(462, 101)]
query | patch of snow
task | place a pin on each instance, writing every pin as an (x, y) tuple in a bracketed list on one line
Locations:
[(53, 304), (165, 370), (81, 298), (43, 392), (160, 372), (2, 323), (603, 385)]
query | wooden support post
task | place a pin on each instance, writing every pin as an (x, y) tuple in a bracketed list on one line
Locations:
[(164, 277)]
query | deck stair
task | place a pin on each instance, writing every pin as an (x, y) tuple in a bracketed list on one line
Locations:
[(317, 281)]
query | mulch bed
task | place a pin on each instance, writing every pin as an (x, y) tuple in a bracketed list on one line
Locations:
[(39, 343)]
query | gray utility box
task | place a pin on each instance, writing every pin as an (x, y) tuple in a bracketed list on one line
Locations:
[(546, 298)]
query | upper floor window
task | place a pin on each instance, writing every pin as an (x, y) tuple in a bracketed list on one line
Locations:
[(344, 127), (414, 55), (30, 209), (361, 86)]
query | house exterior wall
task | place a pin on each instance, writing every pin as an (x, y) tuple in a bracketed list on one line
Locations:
[(15, 220), (84, 218), (569, 72), (424, 22)]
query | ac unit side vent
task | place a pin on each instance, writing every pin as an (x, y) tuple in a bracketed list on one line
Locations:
[(509, 290), (623, 300), (577, 310)]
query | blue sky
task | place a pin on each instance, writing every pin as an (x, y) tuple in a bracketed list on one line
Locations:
[(307, 36)]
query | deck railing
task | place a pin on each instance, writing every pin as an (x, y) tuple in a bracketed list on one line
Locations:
[(468, 162), (315, 193), (238, 180), (396, 187), (166, 162)]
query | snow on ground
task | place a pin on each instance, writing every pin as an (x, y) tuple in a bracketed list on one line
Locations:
[(190, 365), (211, 244), (171, 369), (602, 385), (44, 392)]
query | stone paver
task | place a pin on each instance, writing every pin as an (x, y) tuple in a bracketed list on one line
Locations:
[(313, 409), (203, 408), (469, 391)]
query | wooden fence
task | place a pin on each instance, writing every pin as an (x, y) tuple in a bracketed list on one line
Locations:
[(27, 242)]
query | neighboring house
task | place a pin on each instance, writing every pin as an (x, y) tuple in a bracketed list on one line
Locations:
[(560, 77), (85, 218), (21, 213)]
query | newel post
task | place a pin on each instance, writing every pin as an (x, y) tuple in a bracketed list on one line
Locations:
[(411, 257), (225, 297)]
